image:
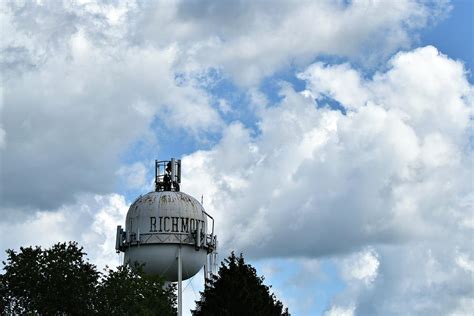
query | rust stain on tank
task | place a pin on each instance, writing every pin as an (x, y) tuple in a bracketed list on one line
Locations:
[(186, 198), (166, 199), (174, 199)]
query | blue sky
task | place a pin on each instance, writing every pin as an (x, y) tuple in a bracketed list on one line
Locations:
[(330, 140), (453, 36)]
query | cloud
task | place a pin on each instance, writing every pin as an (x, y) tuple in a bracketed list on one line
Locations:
[(84, 81), (135, 175), (3, 142), (382, 187), (91, 221), (318, 182), (85, 99), (421, 278), (381, 165), (340, 311), (362, 266), (251, 40)]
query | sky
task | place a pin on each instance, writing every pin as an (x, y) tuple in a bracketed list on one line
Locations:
[(331, 140)]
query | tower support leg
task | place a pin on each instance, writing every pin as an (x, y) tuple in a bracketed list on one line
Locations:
[(180, 281), (205, 270)]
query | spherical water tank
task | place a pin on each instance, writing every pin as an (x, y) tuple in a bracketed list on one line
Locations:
[(157, 224)]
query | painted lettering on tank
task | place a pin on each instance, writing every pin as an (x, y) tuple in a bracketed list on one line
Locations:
[(184, 224), (166, 229), (152, 224), (175, 224)]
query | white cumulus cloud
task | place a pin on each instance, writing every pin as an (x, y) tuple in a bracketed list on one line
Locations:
[(253, 39), (318, 182), (91, 221)]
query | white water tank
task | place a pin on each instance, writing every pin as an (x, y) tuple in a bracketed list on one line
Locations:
[(159, 223)]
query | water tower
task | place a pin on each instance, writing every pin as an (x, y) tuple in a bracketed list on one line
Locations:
[(168, 231)]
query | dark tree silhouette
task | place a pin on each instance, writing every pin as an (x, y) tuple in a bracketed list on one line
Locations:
[(60, 281), (237, 290)]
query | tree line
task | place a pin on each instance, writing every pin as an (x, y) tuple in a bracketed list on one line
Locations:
[(61, 281)]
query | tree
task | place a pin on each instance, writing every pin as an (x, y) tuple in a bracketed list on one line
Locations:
[(60, 281), (128, 291), (237, 290), (52, 281)]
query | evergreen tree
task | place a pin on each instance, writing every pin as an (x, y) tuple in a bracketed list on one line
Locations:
[(237, 290)]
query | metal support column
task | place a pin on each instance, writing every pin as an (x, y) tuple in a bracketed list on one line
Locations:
[(180, 281)]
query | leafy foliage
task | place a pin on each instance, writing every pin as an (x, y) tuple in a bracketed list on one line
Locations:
[(237, 290), (60, 281), (128, 291), (55, 280)]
